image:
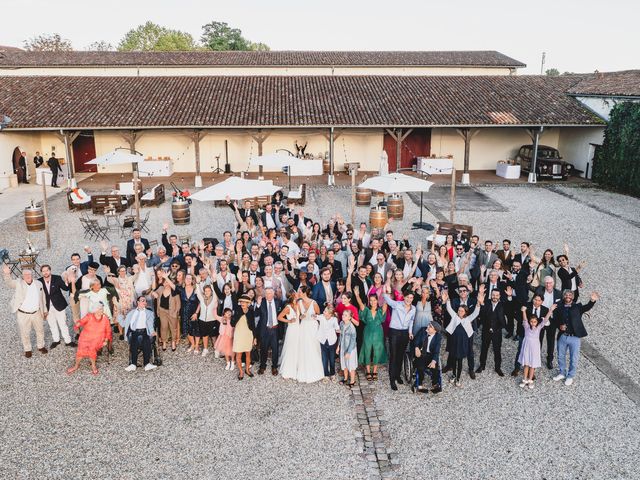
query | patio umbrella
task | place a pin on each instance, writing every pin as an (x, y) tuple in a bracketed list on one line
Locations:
[(396, 183), (237, 189), (122, 157)]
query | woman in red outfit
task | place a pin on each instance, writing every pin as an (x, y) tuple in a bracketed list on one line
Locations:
[(96, 333)]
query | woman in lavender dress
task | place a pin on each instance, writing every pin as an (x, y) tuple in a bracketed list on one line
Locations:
[(530, 353)]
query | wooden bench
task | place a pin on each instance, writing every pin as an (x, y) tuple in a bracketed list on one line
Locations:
[(116, 202), (154, 197), (298, 196), (75, 203)]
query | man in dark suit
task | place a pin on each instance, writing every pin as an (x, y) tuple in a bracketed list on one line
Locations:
[(506, 255), (38, 160), (245, 212), (115, 260), (267, 326), (324, 291), (371, 253), (56, 315), (550, 296), (572, 329), (427, 356), (569, 278), (484, 258), (534, 307), (137, 238), (54, 165), (517, 279), (336, 266), (524, 257), (492, 321), (269, 216)]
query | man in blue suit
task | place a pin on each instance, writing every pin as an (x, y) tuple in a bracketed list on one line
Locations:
[(267, 325), (428, 358), (323, 288)]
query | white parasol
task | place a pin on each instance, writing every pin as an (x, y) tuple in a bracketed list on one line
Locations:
[(396, 183), (237, 189)]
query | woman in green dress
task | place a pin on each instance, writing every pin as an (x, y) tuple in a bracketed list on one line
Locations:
[(373, 352)]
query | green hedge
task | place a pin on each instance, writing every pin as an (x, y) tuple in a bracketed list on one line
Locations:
[(617, 161)]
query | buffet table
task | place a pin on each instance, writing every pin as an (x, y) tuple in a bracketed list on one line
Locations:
[(62, 178), (299, 167), (506, 170), (155, 168)]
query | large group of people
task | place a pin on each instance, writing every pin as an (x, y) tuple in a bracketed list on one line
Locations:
[(287, 292)]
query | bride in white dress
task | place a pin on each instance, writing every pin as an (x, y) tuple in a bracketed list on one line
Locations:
[(309, 354), (291, 345)]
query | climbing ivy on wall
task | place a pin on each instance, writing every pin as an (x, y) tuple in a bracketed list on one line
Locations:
[(617, 161)]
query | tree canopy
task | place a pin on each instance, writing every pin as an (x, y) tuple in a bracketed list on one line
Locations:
[(220, 36), (48, 43), (153, 37)]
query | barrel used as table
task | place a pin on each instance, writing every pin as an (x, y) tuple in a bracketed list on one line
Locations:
[(363, 196), (376, 197), (378, 217), (180, 212), (326, 165), (34, 218), (395, 206)]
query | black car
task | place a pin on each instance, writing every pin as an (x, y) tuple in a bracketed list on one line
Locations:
[(548, 165)]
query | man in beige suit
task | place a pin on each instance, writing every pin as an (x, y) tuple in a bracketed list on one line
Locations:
[(28, 303)]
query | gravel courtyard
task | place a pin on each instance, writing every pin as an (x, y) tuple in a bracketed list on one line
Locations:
[(191, 419)]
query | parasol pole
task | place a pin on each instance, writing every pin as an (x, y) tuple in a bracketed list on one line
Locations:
[(45, 211)]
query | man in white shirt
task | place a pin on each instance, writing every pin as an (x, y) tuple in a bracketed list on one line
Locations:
[(29, 305), (143, 279), (138, 329)]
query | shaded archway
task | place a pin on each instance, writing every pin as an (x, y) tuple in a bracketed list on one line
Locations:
[(17, 153)]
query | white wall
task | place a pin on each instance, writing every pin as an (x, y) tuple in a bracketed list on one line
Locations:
[(133, 71), (575, 143), (488, 146), (27, 142), (602, 106)]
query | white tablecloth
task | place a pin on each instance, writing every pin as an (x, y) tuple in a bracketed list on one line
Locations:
[(506, 170), (155, 168), (299, 167), (47, 176), (435, 166)]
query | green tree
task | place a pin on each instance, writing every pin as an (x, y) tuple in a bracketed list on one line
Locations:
[(617, 162), (153, 37), (48, 43), (220, 36), (552, 72)]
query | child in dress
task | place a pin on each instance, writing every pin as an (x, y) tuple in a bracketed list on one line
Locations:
[(224, 343), (347, 349), (530, 353)]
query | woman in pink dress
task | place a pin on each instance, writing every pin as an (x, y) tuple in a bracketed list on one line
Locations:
[(96, 333), (530, 353), (224, 343)]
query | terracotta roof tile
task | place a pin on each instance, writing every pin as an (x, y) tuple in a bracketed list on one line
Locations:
[(624, 83), (275, 101), (272, 58)]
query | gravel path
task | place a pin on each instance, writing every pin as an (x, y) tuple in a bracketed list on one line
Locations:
[(191, 419)]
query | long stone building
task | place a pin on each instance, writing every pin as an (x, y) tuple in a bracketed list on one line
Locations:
[(193, 109)]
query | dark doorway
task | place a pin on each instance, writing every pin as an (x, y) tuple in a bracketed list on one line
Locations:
[(417, 144), (15, 162), (84, 149)]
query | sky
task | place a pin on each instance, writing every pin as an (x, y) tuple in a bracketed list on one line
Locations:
[(577, 36)]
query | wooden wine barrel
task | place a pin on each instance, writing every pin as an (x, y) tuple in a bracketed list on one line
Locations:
[(34, 219), (363, 196), (326, 165), (395, 206), (180, 212), (378, 217), (376, 197)]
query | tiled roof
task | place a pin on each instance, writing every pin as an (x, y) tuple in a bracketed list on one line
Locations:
[(272, 58), (276, 101), (624, 83)]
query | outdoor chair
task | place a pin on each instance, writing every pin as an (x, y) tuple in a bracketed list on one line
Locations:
[(154, 197), (128, 224), (13, 264), (299, 195), (77, 199), (153, 243), (143, 223)]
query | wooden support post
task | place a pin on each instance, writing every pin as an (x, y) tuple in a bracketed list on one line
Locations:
[(196, 136), (353, 195), (67, 138), (399, 137), (259, 137), (467, 134), (453, 195), (45, 211), (330, 178)]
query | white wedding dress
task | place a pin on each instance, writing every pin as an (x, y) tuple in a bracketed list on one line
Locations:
[(290, 347), (309, 354)]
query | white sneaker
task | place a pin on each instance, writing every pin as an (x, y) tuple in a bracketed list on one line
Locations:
[(189, 349), (196, 352), (568, 382), (233, 365), (558, 377), (228, 366), (130, 368), (523, 383), (149, 366), (530, 385), (458, 383), (216, 354), (205, 352)]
